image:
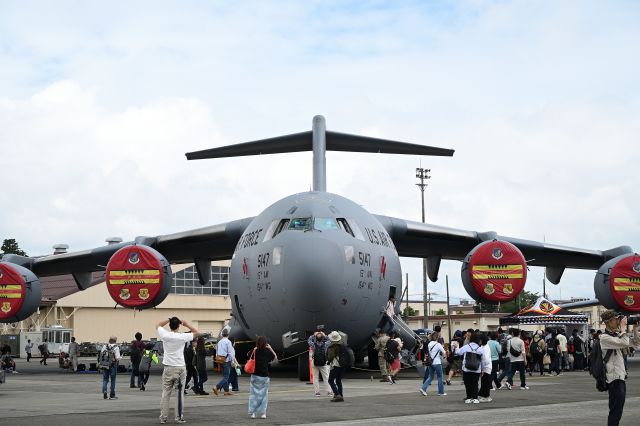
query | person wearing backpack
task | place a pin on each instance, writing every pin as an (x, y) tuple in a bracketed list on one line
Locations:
[(334, 355), (137, 347), (432, 359), (472, 354), (518, 360), (319, 343), (455, 361), (537, 350), (392, 354), (149, 355), (484, 395), (612, 342), (108, 363), (44, 351)]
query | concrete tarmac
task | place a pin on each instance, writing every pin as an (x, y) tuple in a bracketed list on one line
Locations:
[(48, 395)]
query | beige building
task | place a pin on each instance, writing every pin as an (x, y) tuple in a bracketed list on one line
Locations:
[(93, 316)]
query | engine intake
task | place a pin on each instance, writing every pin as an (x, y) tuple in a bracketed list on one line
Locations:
[(617, 283), (138, 277), (20, 292), (494, 271)]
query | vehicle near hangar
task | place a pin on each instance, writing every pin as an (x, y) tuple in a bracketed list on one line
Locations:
[(315, 258)]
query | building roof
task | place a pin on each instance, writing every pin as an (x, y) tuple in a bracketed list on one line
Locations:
[(59, 286)]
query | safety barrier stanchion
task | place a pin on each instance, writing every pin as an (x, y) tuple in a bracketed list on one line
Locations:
[(310, 382)]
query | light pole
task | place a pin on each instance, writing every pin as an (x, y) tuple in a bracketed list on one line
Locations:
[(423, 175)]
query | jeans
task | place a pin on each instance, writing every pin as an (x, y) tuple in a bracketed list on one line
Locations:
[(387, 320), (565, 360), (494, 372), (202, 378), (226, 372), (335, 380), (233, 379), (471, 384), (437, 370), (106, 374), (505, 370), (617, 395), (517, 366)]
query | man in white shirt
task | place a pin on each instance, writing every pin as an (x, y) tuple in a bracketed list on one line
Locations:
[(174, 373), (564, 354)]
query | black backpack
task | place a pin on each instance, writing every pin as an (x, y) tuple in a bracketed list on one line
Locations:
[(390, 351), (346, 357), (534, 347), (319, 355), (472, 360), (598, 366)]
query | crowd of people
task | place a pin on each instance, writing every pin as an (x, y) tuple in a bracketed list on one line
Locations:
[(486, 361)]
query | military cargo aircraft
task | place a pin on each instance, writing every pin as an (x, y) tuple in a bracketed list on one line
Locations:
[(315, 258)]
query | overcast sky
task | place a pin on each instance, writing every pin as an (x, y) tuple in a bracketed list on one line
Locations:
[(99, 101)]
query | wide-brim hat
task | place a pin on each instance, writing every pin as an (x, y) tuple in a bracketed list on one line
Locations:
[(334, 336)]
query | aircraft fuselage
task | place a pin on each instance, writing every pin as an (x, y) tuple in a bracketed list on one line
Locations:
[(312, 259)]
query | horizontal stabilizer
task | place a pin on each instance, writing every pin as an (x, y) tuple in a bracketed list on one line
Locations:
[(303, 142)]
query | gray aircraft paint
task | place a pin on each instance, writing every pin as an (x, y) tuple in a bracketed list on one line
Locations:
[(300, 279)]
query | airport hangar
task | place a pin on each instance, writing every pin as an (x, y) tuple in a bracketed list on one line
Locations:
[(92, 315)]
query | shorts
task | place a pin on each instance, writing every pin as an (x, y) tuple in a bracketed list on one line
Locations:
[(456, 364)]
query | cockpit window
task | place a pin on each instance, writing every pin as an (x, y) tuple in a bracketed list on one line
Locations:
[(342, 222), (300, 224), (324, 223), (282, 225)]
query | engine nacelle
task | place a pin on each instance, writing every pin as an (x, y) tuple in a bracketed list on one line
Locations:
[(138, 277), (617, 283), (20, 292), (494, 271)]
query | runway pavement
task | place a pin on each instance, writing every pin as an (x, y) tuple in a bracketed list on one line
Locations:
[(47, 395)]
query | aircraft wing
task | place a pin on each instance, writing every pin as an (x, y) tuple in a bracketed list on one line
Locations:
[(215, 242), (416, 239)]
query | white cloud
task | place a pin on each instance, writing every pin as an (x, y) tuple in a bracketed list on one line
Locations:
[(100, 103)]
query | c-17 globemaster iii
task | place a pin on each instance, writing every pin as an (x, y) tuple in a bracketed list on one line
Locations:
[(310, 258)]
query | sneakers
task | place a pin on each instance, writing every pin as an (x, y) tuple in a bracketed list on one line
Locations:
[(468, 401), (252, 416), (337, 398), (113, 397), (475, 401), (318, 394), (227, 393), (448, 382), (142, 388), (330, 394), (508, 385), (525, 387), (422, 391), (483, 399), (163, 420), (263, 416), (215, 390), (180, 420), (442, 394), (132, 386)]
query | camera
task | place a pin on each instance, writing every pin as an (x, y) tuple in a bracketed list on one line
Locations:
[(633, 319)]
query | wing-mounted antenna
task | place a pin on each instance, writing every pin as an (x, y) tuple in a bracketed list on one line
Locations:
[(319, 140)]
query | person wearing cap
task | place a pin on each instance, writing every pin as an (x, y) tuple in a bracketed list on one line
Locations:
[(319, 343), (335, 374), (615, 339), (224, 348)]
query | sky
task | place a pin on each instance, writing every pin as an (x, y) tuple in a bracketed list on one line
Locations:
[(100, 101)]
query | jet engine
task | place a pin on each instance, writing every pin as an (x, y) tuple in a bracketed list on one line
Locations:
[(617, 283), (20, 292), (138, 277), (494, 271)]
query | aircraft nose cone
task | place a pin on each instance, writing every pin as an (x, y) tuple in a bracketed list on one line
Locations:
[(314, 272)]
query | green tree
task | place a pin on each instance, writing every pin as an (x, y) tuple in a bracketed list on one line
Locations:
[(409, 312), (10, 245), (523, 300), (440, 312)]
